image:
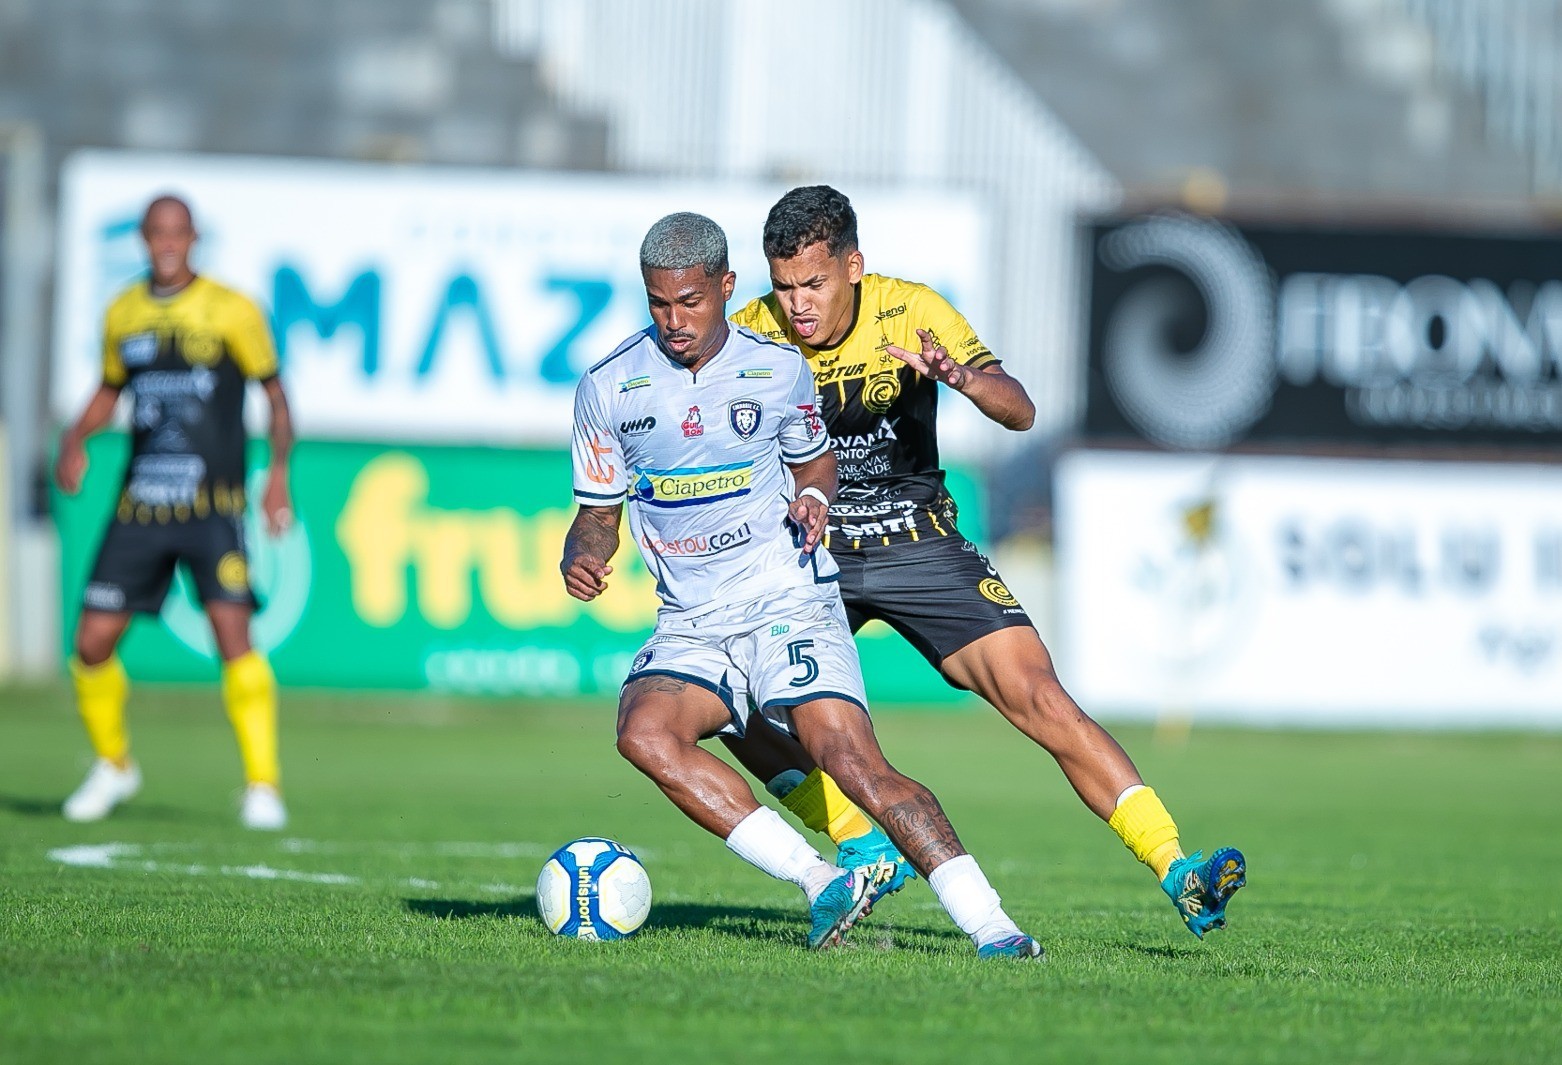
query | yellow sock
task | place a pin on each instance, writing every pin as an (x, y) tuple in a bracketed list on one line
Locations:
[(250, 693), (1145, 828), (101, 691), (822, 807)]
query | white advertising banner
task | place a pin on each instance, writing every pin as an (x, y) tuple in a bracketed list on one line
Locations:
[(446, 305), (1311, 591)]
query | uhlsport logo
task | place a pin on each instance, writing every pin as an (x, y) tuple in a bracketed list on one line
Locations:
[(1210, 395), (744, 415), (690, 486)]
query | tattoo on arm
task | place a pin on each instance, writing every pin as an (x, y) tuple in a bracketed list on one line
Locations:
[(594, 534), (922, 832)]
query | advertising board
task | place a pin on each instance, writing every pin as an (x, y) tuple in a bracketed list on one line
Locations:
[(1314, 591)]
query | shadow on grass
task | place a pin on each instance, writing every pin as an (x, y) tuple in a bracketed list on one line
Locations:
[(740, 922), (28, 807), (1158, 951), (135, 811)]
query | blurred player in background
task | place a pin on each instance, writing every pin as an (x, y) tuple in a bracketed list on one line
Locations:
[(880, 348), (185, 347), (711, 436)]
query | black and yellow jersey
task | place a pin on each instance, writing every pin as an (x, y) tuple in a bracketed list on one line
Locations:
[(882, 415), (185, 360)]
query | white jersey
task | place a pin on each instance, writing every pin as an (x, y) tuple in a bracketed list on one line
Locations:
[(700, 460)]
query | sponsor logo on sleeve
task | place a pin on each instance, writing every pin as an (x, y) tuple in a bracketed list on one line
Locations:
[(101, 595), (996, 591), (598, 469), (745, 416), (811, 420), (690, 486)]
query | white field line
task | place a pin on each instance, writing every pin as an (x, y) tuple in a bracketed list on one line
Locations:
[(128, 857)]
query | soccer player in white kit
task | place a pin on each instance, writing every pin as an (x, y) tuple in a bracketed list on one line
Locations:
[(711, 436)]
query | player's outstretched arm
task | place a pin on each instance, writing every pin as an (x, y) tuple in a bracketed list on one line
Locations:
[(816, 482), (277, 503), (592, 540), (995, 393), (71, 465)]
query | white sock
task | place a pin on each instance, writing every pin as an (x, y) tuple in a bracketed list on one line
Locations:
[(1129, 790), (970, 900), (767, 842)]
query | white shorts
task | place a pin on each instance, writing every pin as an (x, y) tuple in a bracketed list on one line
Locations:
[(769, 654)]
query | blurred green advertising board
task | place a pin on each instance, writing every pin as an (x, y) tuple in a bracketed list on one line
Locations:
[(424, 568)]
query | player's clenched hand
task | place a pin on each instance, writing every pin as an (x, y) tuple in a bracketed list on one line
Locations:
[(933, 361), (809, 518), (584, 577), (277, 504), (71, 466)]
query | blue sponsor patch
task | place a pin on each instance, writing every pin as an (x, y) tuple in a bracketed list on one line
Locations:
[(138, 350), (689, 486)]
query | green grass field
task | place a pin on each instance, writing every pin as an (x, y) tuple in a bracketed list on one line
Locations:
[(1403, 902)]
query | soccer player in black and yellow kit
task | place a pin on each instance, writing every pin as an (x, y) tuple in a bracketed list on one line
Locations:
[(185, 347), (880, 349)]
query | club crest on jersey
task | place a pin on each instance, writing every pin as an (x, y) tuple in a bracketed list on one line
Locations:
[(642, 660), (692, 425), (745, 415)]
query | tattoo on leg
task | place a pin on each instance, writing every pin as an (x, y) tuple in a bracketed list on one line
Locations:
[(922, 832), (659, 684)]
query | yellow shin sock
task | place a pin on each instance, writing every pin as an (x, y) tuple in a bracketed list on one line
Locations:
[(1145, 828), (249, 691), (818, 801), (101, 692)]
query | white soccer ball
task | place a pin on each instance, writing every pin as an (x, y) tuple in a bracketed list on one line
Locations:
[(593, 888)]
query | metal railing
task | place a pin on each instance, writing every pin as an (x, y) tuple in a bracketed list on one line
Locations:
[(1507, 51), (890, 92)]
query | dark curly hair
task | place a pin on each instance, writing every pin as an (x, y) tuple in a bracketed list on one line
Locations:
[(810, 215)]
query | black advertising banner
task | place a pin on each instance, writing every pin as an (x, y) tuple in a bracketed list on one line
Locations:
[(1205, 334)]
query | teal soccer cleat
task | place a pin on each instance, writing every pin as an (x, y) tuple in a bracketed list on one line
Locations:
[(1200, 889), (876, 857), (1021, 946), (837, 908)]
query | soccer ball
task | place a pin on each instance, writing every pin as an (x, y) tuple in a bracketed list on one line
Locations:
[(593, 888)]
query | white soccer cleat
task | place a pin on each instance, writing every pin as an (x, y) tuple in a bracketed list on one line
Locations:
[(106, 787), (263, 809)]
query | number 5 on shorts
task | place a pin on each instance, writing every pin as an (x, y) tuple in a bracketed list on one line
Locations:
[(797, 654)]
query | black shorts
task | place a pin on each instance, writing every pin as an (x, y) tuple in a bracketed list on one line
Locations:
[(136, 563), (939, 592)]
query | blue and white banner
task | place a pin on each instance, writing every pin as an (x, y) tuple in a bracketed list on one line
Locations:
[(1311, 591), (440, 304)]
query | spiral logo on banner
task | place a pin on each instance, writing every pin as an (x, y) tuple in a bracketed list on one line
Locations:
[(1210, 395)]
